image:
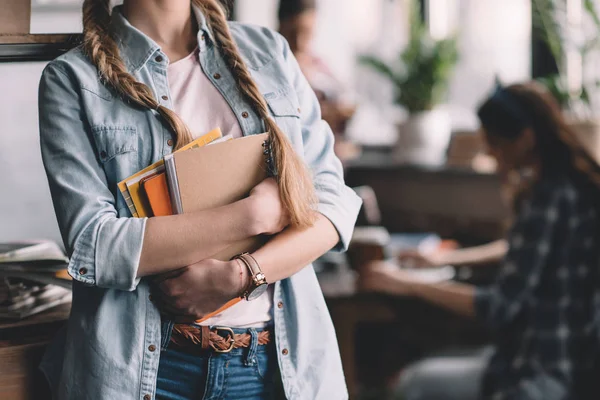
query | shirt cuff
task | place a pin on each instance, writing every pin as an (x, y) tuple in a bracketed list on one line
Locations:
[(108, 253), (342, 212)]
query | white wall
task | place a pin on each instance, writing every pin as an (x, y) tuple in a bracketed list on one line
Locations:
[(25, 205), (344, 27)]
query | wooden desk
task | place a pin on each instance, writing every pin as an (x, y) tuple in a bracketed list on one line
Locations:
[(22, 344)]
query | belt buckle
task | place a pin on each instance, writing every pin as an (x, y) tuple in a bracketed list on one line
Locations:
[(231, 340)]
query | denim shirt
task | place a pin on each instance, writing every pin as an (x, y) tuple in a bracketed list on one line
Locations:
[(91, 139)]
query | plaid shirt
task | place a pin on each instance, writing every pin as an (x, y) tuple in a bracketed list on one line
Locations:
[(541, 306)]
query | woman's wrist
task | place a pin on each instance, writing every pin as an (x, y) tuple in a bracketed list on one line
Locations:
[(239, 276), (256, 223), (248, 212)]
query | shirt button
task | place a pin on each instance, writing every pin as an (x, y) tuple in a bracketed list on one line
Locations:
[(165, 97), (299, 110), (82, 271), (170, 142), (103, 154), (217, 76), (245, 114), (280, 304), (152, 348), (285, 352), (159, 59), (147, 397)]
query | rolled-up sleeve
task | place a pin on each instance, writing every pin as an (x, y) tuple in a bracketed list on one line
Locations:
[(531, 243), (104, 249), (336, 201)]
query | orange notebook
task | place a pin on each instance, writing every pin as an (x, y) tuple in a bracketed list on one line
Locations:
[(157, 193)]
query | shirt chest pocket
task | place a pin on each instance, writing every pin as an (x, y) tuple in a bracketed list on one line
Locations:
[(286, 111), (117, 152)]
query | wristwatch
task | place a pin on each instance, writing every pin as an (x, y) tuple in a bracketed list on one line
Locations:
[(258, 282)]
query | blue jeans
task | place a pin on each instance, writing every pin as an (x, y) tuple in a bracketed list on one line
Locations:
[(243, 374)]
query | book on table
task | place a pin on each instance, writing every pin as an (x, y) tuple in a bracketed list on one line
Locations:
[(33, 278)]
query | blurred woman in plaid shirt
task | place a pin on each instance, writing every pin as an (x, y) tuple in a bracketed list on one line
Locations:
[(542, 305)]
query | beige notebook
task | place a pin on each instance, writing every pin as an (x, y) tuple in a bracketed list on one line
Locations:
[(217, 175)]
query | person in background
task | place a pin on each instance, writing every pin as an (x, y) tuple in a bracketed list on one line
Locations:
[(297, 20), (542, 305)]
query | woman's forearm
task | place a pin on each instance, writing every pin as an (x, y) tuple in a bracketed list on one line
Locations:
[(293, 249), (490, 252), (455, 297), (177, 241)]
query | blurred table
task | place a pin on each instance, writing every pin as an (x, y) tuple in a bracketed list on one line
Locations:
[(22, 344), (378, 335)]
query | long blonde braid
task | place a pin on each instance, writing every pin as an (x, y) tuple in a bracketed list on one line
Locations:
[(295, 185), (102, 50)]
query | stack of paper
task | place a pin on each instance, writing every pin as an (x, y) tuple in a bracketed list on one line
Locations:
[(33, 278), (22, 298)]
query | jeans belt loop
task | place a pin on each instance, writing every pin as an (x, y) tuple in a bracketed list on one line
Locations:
[(251, 355), (166, 331)]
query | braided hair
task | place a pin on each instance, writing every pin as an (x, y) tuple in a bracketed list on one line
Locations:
[(294, 181)]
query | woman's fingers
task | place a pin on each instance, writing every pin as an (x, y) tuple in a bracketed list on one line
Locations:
[(168, 275)]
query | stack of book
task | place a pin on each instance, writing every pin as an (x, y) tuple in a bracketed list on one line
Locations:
[(212, 171), (33, 278)]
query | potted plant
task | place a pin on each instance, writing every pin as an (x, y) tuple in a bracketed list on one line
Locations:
[(421, 77)]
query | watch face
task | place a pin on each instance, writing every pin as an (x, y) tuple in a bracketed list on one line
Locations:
[(257, 292)]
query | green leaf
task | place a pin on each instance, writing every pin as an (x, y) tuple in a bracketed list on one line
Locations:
[(421, 75), (590, 7), (381, 67)]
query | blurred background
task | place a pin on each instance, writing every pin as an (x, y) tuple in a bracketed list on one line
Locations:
[(399, 81)]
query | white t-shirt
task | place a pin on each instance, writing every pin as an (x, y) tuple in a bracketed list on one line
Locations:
[(202, 107)]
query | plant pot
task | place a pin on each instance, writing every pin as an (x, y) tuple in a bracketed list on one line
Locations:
[(423, 139)]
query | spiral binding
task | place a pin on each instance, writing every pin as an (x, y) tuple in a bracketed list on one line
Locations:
[(268, 152)]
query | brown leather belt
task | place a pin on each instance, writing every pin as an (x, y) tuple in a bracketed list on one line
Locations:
[(202, 338)]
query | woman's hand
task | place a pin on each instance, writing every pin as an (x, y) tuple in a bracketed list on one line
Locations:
[(192, 292), (415, 259), (383, 277), (267, 209)]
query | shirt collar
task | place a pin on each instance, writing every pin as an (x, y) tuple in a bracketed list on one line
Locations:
[(137, 48)]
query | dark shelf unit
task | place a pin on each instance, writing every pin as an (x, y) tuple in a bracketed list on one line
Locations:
[(18, 48)]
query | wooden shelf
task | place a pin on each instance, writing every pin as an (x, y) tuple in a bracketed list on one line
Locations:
[(14, 48)]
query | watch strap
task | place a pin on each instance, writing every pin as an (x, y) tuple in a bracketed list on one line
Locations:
[(257, 277)]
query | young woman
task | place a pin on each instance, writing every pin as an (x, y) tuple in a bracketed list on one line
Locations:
[(150, 76), (542, 305)]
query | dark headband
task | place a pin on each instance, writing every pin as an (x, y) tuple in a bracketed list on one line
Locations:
[(291, 8), (511, 105)]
